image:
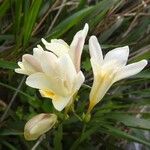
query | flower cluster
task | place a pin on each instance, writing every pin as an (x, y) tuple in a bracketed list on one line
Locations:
[(56, 73)]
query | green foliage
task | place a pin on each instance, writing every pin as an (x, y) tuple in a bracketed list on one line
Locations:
[(58, 138), (29, 20), (114, 121)]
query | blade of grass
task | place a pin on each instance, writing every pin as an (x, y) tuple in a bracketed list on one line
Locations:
[(4, 7), (30, 21), (7, 64)]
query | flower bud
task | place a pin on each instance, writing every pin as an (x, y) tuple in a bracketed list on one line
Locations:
[(38, 125)]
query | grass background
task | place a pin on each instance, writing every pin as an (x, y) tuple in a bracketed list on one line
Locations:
[(122, 117)]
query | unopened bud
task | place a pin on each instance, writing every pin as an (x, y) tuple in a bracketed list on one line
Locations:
[(38, 125)]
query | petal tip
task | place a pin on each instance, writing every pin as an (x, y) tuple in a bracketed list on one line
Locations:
[(16, 70), (44, 41), (92, 38), (86, 26), (126, 48), (144, 62)]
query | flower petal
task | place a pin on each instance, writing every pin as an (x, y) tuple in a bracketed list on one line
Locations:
[(31, 63), (46, 83), (20, 64), (57, 47), (60, 102), (37, 52), (95, 66), (66, 70), (95, 50), (60, 41), (21, 71), (77, 46), (130, 70), (47, 94), (100, 86), (120, 55), (78, 81), (39, 81), (48, 63)]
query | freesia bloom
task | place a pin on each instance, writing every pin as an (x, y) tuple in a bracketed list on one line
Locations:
[(38, 125), (56, 73), (58, 81), (56, 78), (109, 69), (60, 47)]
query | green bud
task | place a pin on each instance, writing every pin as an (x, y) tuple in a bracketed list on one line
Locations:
[(86, 117)]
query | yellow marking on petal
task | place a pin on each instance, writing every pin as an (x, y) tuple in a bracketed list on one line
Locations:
[(104, 80), (47, 93)]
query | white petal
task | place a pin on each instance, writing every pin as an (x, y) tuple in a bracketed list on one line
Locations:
[(99, 88), (130, 70), (39, 81), (57, 47), (66, 69), (78, 81), (60, 102), (44, 41), (46, 83), (95, 49), (96, 67), (59, 41), (37, 52), (77, 46), (48, 63), (119, 55), (21, 71), (20, 64), (31, 63)]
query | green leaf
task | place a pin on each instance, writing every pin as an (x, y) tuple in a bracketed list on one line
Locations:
[(58, 138), (30, 21), (99, 12), (106, 34), (138, 31), (68, 23), (6, 132), (83, 137), (121, 134), (130, 121), (7, 64), (86, 64), (17, 22), (4, 7), (8, 145)]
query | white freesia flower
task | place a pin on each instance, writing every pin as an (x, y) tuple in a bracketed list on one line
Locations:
[(38, 125), (109, 69), (60, 47), (58, 79), (56, 73)]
